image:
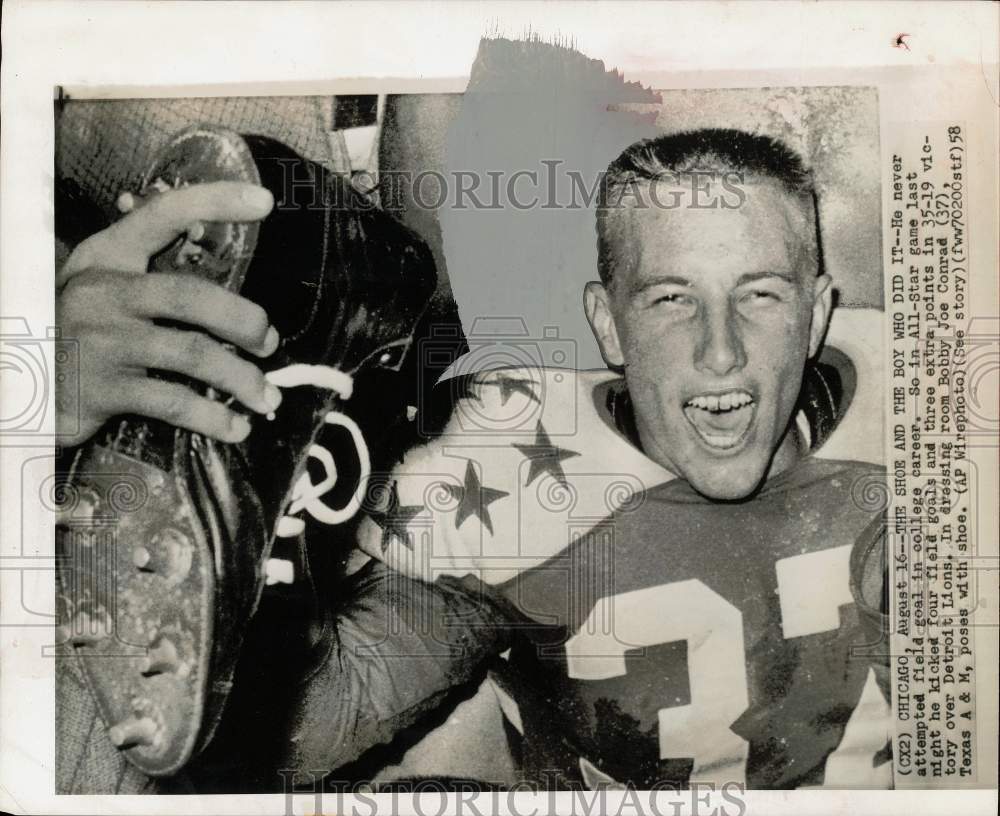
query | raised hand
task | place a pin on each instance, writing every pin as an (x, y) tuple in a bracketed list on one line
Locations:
[(107, 303)]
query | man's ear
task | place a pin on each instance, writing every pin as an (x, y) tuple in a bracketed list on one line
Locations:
[(596, 303), (822, 303)]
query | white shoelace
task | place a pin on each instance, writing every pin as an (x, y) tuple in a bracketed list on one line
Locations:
[(307, 495)]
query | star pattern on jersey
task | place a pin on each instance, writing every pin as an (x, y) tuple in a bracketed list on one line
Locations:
[(394, 517), (545, 457), (473, 498), (513, 385), (467, 387)]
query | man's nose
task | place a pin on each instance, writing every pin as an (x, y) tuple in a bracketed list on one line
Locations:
[(720, 350)]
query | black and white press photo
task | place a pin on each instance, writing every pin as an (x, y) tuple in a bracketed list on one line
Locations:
[(543, 548), (561, 434)]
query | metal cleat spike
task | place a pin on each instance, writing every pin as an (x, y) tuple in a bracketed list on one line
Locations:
[(82, 630), (85, 639), (125, 203), (81, 635), (161, 658), (190, 254), (133, 731), (168, 554)]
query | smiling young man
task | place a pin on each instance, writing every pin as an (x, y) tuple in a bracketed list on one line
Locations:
[(711, 308)]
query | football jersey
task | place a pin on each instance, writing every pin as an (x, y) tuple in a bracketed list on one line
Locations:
[(683, 639), (654, 636)]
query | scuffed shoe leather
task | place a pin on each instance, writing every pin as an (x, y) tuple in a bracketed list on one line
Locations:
[(165, 533)]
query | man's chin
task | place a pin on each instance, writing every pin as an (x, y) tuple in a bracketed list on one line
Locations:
[(734, 482)]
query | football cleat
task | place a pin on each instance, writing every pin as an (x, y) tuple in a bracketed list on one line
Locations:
[(165, 533)]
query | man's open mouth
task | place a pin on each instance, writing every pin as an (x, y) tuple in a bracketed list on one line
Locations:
[(721, 419)]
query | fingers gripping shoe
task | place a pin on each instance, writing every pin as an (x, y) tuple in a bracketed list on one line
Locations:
[(164, 533)]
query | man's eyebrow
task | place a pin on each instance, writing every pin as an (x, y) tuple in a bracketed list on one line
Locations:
[(751, 277), (642, 286)]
